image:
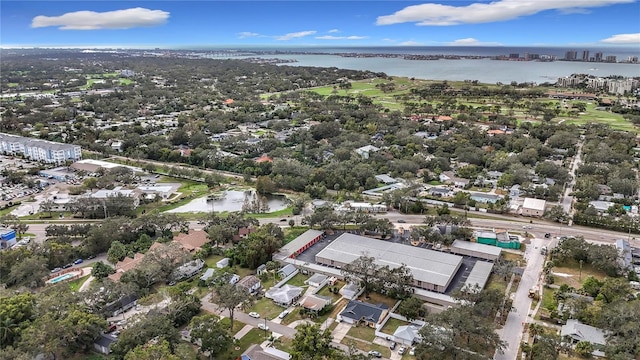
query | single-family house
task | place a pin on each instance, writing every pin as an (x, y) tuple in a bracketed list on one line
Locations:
[(577, 331), (484, 198), (407, 334), (262, 269), (448, 177), (316, 280), (439, 192), (256, 352), (193, 241), (315, 302), (285, 295), (287, 270), (250, 283), (601, 206), (121, 305), (366, 150), (188, 270), (103, 343), (386, 179), (514, 191), (360, 312)]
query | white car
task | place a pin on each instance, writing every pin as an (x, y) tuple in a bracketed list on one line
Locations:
[(283, 314), (254, 314), (262, 326)]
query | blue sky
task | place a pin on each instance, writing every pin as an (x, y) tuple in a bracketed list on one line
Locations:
[(319, 23)]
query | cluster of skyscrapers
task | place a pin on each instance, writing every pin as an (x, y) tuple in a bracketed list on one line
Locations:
[(584, 55)]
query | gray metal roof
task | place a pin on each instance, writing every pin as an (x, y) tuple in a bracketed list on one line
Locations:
[(428, 266), (479, 275), (302, 240), (471, 246)]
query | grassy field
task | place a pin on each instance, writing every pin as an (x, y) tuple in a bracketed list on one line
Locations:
[(362, 332), (75, 284), (571, 275), (548, 302), (591, 115), (392, 325), (325, 291), (254, 336), (496, 282), (266, 307), (366, 347), (298, 280), (375, 298), (6, 211)]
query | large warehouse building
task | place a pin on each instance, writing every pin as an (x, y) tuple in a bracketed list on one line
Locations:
[(431, 270)]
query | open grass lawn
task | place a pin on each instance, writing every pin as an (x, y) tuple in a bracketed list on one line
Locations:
[(591, 115), (375, 298), (392, 324), (294, 232), (237, 325), (325, 291), (548, 302), (6, 211), (298, 280), (212, 260), (254, 336), (266, 307), (284, 212), (496, 282), (293, 316), (574, 278), (75, 284), (362, 332)]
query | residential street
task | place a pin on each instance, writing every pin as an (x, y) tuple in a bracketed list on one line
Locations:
[(511, 333), (567, 199)]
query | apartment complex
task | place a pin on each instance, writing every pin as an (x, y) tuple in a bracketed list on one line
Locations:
[(39, 150)]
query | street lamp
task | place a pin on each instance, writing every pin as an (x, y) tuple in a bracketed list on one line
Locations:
[(265, 328)]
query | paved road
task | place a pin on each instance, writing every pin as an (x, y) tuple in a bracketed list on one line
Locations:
[(511, 333), (567, 199)]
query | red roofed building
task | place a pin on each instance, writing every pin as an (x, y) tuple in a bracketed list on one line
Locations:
[(444, 118), (193, 241), (263, 158)]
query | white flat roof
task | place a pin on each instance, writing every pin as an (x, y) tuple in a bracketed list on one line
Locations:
[(467, 245), (534, 204), (479, 275), (297, 243), (428, 266), (107, 165)]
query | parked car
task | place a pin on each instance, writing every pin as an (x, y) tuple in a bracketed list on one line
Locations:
[(254, 314), (375, 354), (56, 270), (112, 328), (392, 345), (401, 221), (262, 326), (67, 266), (78, 261), (402, 350), (283, 314), (412, 352)]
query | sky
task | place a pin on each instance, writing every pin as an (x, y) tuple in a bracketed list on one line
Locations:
[(142, 24)]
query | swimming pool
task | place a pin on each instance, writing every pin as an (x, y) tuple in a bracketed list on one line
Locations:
[(62, 277)]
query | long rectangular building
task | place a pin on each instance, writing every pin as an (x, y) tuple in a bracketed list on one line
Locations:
[(39, 150), (431, 270)]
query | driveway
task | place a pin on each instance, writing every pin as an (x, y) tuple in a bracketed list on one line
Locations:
[(512, 331)]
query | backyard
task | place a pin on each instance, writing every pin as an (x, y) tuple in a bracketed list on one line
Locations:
[(572, 274), (375, 298), (392, 324)]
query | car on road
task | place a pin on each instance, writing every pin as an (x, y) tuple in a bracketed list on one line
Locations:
[(402, 350), (262, 326), (254, 314), (392, 345), (67, 266), (375, 353), (401, 221), (121, 322), (56, 270), (283, 314), (527, 227), (78, 261)]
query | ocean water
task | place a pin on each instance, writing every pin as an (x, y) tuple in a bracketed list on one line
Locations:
[(483, 70)]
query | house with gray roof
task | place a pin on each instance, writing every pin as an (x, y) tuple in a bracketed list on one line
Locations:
[(285, 295), (577, 331), (360, 312)]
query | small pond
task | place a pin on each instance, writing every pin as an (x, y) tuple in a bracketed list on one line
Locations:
[(232, 200)]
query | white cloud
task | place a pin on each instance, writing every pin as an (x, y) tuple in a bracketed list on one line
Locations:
[(91, 20), (295, 35), (472, 42), (332, 37), (410, 43), (623, 39), (500, 10), (246, 34), (333, 31), (389, 40)]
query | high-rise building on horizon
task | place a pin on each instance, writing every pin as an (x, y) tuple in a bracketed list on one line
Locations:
[(571, 55), (585, 55), (611, 58), (599, 56)]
